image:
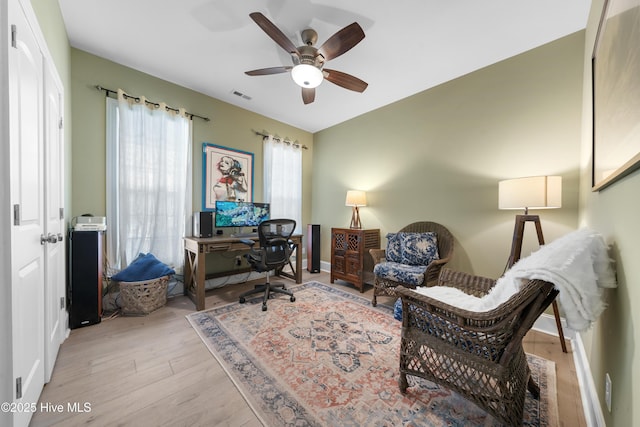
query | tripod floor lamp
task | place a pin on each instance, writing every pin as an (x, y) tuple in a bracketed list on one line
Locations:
[(536, 192)]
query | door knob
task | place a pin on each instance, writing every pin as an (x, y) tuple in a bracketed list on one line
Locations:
[(51, 238)]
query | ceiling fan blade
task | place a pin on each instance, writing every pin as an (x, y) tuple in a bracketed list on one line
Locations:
[(268, 71), (274, 32), (342, 41), (308, 95), (345, 80)]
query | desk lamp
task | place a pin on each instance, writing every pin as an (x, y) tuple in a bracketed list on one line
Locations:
[(356, 198)]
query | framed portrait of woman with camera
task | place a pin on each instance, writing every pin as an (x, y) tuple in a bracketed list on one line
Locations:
[(227, 175)]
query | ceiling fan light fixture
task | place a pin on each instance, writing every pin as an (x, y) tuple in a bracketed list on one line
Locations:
[(308, 76)]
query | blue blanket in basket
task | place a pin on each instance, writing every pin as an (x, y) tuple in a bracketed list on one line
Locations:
[(144, 267)]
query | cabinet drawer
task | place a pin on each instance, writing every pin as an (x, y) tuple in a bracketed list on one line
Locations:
[(338, 265), (215, 247), (353, 267)]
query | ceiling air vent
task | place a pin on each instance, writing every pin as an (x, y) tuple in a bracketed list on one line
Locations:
[(241, 95)]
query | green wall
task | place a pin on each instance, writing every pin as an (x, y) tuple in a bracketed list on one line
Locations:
[(230, 126), (612, 344), (438, 155)]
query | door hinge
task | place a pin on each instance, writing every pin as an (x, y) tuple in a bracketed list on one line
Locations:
[(61, 213), (16, 214), (19, 388), (61, 303), (61, 123), (14, 42)]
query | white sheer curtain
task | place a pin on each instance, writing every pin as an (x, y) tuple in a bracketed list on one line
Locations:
[(148, 181), (283, 179)]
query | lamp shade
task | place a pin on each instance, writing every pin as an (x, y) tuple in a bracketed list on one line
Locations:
[(535, 192), (356, 198), (306, 75)]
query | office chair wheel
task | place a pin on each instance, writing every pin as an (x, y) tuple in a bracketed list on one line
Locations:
[(242, 300), (264, 307), (292, 299)]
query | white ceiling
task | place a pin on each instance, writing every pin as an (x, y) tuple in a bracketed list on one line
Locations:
[(410, 45)]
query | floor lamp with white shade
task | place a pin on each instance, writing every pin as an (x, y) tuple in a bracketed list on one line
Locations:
[(534, 192)]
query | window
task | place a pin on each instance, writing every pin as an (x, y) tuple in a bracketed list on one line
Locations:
[(148, 181), (283, 179)]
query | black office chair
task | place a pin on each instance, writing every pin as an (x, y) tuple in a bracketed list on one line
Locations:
[(272, 254)]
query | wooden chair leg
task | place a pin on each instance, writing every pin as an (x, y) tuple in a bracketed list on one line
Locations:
[(516, 249), (403, 384), (556, 313)]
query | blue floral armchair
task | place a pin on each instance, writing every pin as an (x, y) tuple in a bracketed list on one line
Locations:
[(414, 257)]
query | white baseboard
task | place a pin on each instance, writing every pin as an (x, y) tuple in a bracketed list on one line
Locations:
[(547, 323), (590, 403)]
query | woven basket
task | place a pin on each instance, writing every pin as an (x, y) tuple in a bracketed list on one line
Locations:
[(140, 298)]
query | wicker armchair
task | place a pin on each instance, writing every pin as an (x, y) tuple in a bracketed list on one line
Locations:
[(477, 354), (386, 286)]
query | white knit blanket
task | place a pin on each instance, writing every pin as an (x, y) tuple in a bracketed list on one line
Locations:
[(577, 264), (579, 267)]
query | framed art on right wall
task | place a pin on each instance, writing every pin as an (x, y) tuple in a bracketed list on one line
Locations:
[(616, 93)]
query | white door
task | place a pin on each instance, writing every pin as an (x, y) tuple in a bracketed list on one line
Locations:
[(54, 276), (27, 252)]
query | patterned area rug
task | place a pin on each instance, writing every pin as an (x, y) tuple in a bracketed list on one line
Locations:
[(331, 359)]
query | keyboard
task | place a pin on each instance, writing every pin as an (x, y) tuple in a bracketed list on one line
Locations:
[(244, 235)]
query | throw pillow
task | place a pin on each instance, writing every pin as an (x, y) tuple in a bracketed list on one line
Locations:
[(397, 309), (144, 267), (394, 248), (419, 248)]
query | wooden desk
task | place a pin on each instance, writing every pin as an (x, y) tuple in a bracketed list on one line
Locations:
[(195, 255)]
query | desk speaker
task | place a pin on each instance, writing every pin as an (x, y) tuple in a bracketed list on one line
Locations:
[(313, 248), (203, 224)]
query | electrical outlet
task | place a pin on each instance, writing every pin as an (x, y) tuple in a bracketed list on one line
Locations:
[(238, 260), (607, 391)]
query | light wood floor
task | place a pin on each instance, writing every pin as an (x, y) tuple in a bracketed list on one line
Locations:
[(155, 371)]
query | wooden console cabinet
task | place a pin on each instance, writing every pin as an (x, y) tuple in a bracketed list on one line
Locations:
[(350, 258)]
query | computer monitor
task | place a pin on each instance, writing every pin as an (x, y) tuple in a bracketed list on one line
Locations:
[(240, 214)]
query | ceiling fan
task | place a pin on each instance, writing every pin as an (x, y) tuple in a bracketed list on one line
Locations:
[(308, 62)]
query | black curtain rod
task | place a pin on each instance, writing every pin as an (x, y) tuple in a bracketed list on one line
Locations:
[(277, 138), (126, 95)]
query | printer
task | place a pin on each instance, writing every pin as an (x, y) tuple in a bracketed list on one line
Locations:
[(89, 223)]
